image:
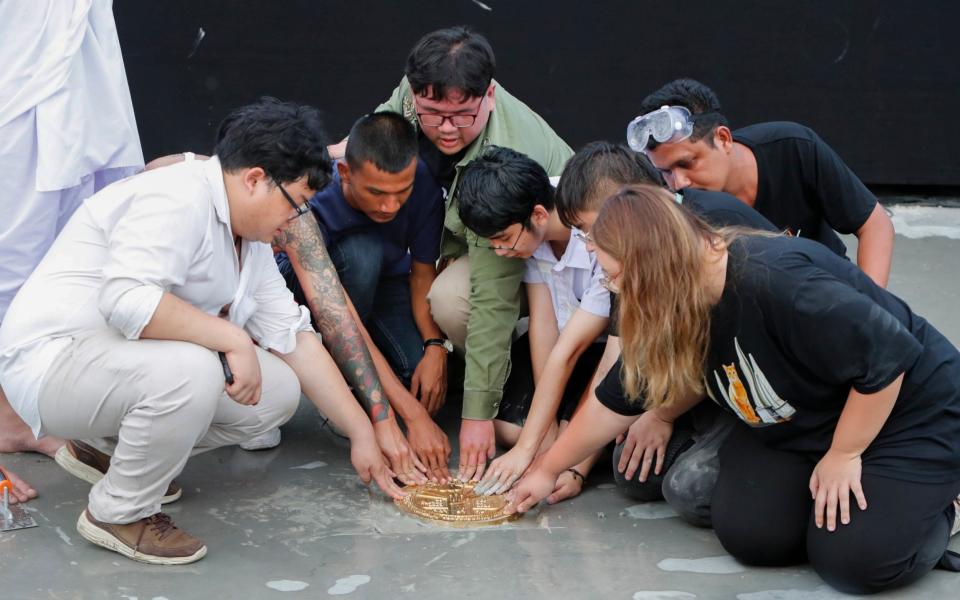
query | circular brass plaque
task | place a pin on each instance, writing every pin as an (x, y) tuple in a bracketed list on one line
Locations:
[(454, 504)]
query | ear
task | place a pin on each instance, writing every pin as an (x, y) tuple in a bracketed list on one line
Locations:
[(343, 169), (540, 215), (723, 138), (491, 95), (252, 177)]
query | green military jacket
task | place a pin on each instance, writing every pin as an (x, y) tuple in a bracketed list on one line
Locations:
[(495, 281)]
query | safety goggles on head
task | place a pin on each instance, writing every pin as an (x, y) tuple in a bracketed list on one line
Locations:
[(666, 124)]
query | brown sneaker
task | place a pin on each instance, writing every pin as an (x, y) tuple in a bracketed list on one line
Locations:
[(154, 540), (89, 464)]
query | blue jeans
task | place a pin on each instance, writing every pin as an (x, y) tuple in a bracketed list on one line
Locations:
[(383, 302)]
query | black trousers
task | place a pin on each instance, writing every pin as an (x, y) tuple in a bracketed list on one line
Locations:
[(763, 515), (519, 388)]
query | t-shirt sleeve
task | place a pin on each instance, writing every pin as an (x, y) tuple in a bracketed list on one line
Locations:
[(610, 393), (845, 201), (425, 244), (531, 271), (596, 298), (843, 337)]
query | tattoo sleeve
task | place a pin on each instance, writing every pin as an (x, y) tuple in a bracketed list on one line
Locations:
[(303, 243)]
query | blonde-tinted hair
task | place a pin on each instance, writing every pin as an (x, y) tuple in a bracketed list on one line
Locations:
[(664, 307)]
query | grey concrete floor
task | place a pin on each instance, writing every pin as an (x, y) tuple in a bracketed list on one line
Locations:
[(296, 522)]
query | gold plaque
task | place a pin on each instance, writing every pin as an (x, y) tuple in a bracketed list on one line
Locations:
[(454, 504)]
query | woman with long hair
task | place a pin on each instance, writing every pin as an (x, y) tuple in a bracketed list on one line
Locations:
[(848, 454)]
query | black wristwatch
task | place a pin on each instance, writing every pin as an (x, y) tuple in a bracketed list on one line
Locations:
[(443, 343)]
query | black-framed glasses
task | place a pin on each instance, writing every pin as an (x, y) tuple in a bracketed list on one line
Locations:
[(486, 243), (459, 121), (300, 209)]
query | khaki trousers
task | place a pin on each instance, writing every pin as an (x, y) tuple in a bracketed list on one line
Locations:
[(163, 401), (449, 298)]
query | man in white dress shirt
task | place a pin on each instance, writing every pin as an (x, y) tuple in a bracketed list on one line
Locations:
[(67, 130), (117, 332)]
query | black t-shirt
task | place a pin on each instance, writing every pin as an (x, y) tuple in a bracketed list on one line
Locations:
[(442, 166), (796, 329), (720, 209), (803, 185)]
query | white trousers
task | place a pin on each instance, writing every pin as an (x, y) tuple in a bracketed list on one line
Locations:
[(163, 400)]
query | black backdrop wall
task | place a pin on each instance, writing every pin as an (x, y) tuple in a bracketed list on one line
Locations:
[(878, 79)]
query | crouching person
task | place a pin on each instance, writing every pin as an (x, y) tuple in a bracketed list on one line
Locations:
[(117, 332)]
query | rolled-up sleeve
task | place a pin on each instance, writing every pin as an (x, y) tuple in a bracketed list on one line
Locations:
[(149, 251)]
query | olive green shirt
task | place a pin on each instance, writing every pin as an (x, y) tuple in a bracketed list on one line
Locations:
[(495, 281)]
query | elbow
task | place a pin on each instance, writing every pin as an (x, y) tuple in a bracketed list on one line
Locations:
[(128, 307)]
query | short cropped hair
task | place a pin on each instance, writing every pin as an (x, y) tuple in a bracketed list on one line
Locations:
[(284, 139), (591, 172), (499, 188), (454, 58), (385, 139), (703, 104)]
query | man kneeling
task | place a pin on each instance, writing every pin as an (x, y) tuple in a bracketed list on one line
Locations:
[(117, 332)]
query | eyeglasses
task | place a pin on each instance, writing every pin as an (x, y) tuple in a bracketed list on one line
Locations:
[(300, 209), (583, 237), (486, 243), (460, 121)]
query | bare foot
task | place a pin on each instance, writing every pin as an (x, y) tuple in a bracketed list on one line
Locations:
[(15, 435), (21, 489)]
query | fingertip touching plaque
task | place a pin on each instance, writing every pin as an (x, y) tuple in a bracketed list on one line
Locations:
[(454, 504)]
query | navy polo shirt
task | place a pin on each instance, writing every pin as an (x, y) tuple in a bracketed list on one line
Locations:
[(414, 232)]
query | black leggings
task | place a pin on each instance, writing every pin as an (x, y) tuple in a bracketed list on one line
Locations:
[(762, 514)]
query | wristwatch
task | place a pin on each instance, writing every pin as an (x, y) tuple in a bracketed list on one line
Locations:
[(443, 343)]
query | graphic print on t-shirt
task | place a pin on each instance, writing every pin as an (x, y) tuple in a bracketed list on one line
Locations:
[(759, 407)]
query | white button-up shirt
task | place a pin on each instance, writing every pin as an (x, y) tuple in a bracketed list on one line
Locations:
[(573, 280), (166, 230)]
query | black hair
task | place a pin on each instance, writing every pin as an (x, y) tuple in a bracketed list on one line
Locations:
[(386, 139), (284, 139), (499, 188), (703, 104), (451, 58), (590, 168)]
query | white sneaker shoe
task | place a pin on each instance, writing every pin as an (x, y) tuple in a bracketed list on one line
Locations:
[(264, 441)]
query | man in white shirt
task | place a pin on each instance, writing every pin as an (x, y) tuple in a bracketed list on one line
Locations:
[(67, 130), (506, 199), (117, 332)]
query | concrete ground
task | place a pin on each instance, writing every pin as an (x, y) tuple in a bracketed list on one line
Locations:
[(296, 522)]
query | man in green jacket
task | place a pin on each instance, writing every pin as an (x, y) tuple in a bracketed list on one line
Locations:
[(450, 95)]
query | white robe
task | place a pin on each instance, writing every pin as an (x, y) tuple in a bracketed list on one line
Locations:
[(67, 126)]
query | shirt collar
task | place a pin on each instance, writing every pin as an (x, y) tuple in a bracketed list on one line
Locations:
[(575, 256), (214, 175)]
